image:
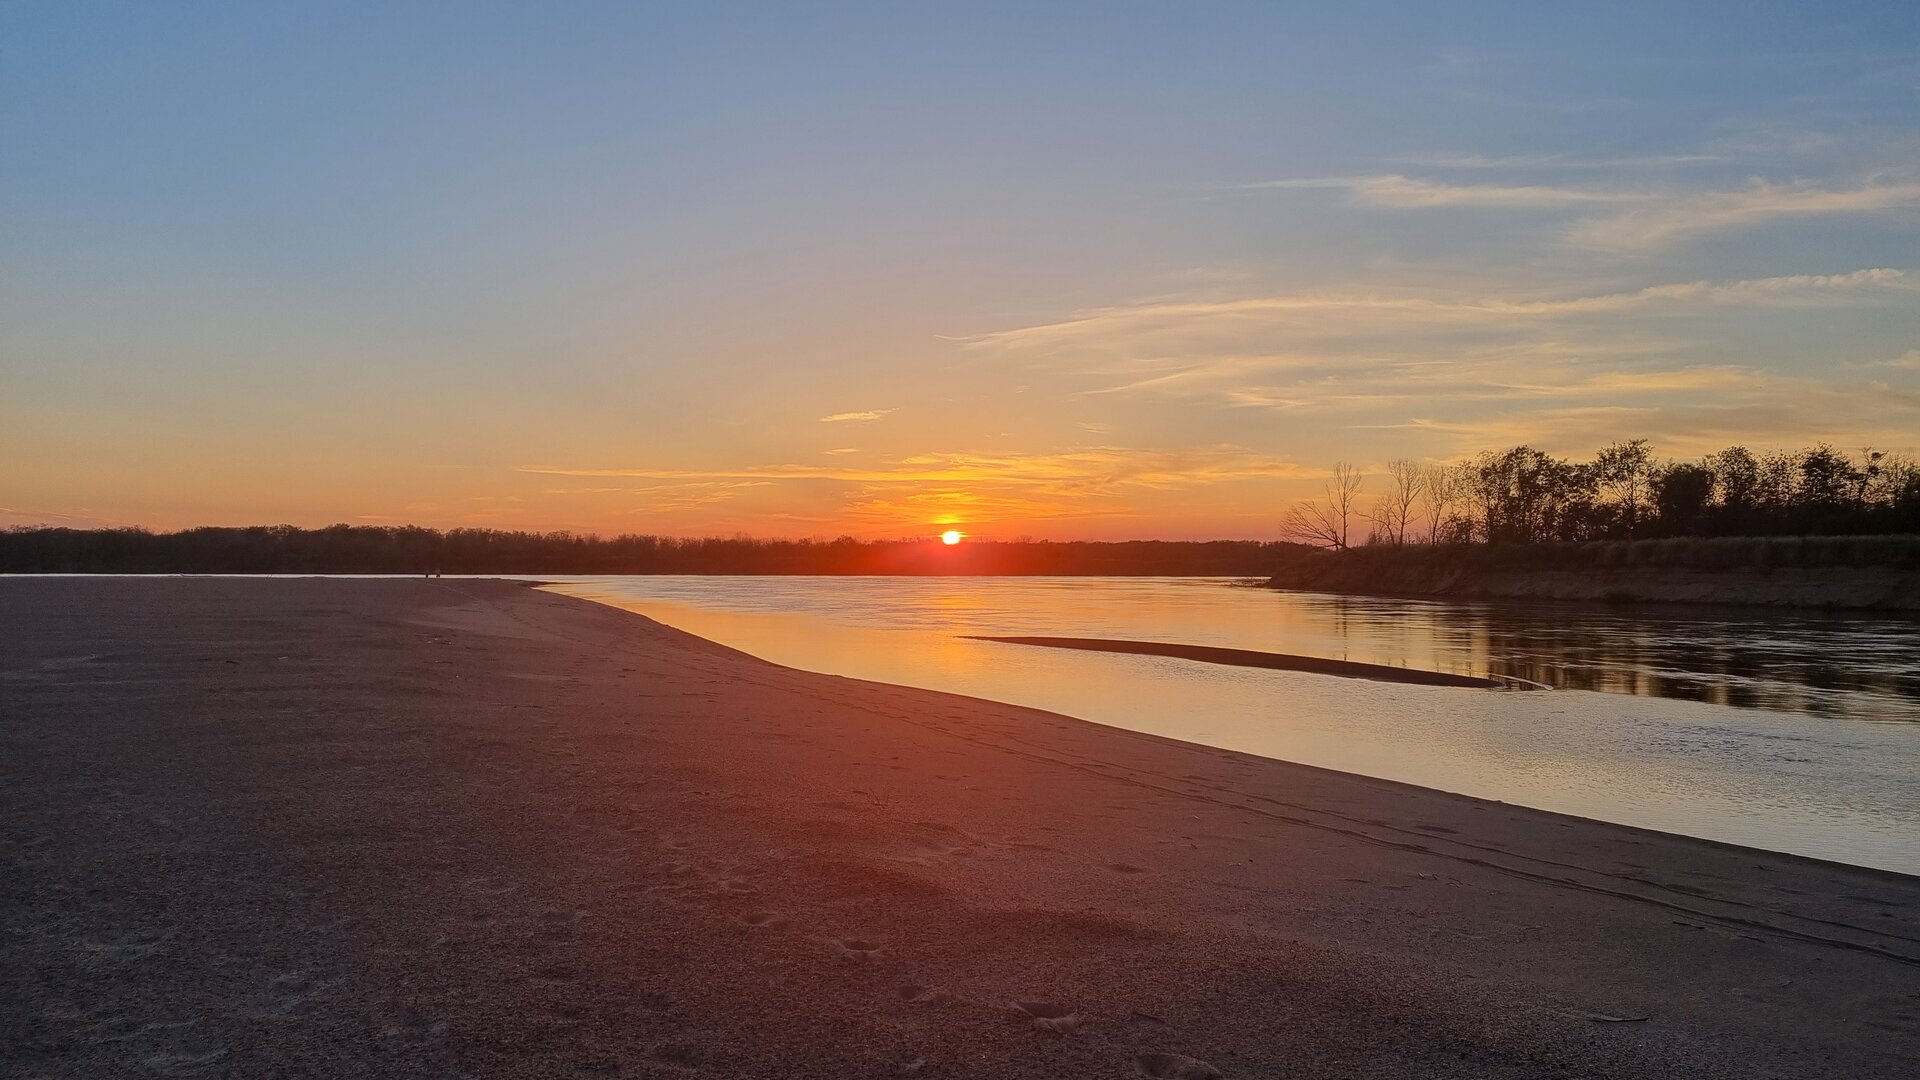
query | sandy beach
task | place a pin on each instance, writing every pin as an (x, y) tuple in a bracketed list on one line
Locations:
[(324, 827)]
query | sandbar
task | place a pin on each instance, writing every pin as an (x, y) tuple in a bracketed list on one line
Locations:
[(333, 827), (1214, 654)]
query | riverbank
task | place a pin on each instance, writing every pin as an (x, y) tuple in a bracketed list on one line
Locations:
[(1848, 573), (331, 826)]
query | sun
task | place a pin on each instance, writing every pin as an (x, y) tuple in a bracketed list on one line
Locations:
[(951, 537)]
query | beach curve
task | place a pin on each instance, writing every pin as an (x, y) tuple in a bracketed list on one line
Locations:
[(325, 825)]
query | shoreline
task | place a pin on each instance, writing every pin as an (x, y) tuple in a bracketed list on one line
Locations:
[(1614, 573), (495, 829), (1275, 661)]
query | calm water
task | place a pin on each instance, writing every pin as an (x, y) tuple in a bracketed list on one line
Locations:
[(1792, 732)]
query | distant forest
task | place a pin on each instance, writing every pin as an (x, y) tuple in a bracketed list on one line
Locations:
[(369, 549), (1523, 496), (1512, 498)]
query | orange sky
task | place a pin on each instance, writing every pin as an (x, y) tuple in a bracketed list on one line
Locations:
[(1023, 273)]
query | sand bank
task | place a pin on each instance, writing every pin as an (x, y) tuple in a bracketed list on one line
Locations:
[(1210, 654), (325, 827)]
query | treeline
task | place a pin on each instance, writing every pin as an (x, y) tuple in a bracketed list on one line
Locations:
[(1525, 496), (1839, 572), (369, 549)]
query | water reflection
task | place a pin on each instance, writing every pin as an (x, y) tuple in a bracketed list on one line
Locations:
[(1836, 666), (1844, 666), (1658, 750)]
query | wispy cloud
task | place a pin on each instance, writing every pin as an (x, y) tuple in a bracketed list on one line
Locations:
[(855, 417), (1668, 220), (1080, 470), (1309, 313), (21, 517), (1404, 192), (1555, 161), (679, 498), (1646, 219)]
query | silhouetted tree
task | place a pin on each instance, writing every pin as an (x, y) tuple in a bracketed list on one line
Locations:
[(1623, 472), (1325, 522), (1393, 512), (1443, 494), (1681, 494)]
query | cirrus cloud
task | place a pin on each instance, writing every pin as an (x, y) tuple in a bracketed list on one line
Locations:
[(1646, 219)]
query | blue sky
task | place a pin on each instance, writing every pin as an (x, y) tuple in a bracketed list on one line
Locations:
[(1067, 270)]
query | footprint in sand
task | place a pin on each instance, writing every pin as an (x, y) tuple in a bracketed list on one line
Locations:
[(764, 920), (289, 992), (1046, 1016), (856, 948), (1158, 1066), (1126, 868), (914, 993)]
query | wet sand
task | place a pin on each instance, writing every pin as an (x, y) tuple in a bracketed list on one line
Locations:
[(327, 827)]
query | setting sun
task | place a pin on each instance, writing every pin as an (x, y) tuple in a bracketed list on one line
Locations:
[(951, 536)]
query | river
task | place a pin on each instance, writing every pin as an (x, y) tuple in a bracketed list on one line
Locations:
[(1792, 732)]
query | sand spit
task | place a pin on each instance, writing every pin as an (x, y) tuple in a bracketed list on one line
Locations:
[(409, 828), (1209, 654)]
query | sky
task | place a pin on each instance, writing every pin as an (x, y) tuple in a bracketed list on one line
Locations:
[(1056, 270)]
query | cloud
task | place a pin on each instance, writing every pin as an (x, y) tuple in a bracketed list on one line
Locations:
[(1082, 470), (1091, 483), (1556, 161), (843, 450), (1648, 220), (1402, 192), (1506, 374), (19, 517), (1311, 314), (1675, 218), (855, 417), (681, 498)]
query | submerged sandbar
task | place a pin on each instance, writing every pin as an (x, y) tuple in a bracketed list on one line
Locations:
[(1211, 654)]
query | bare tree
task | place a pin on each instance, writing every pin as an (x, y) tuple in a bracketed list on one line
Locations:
[(1393, 512), (1324, 521), (1442, 489)]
